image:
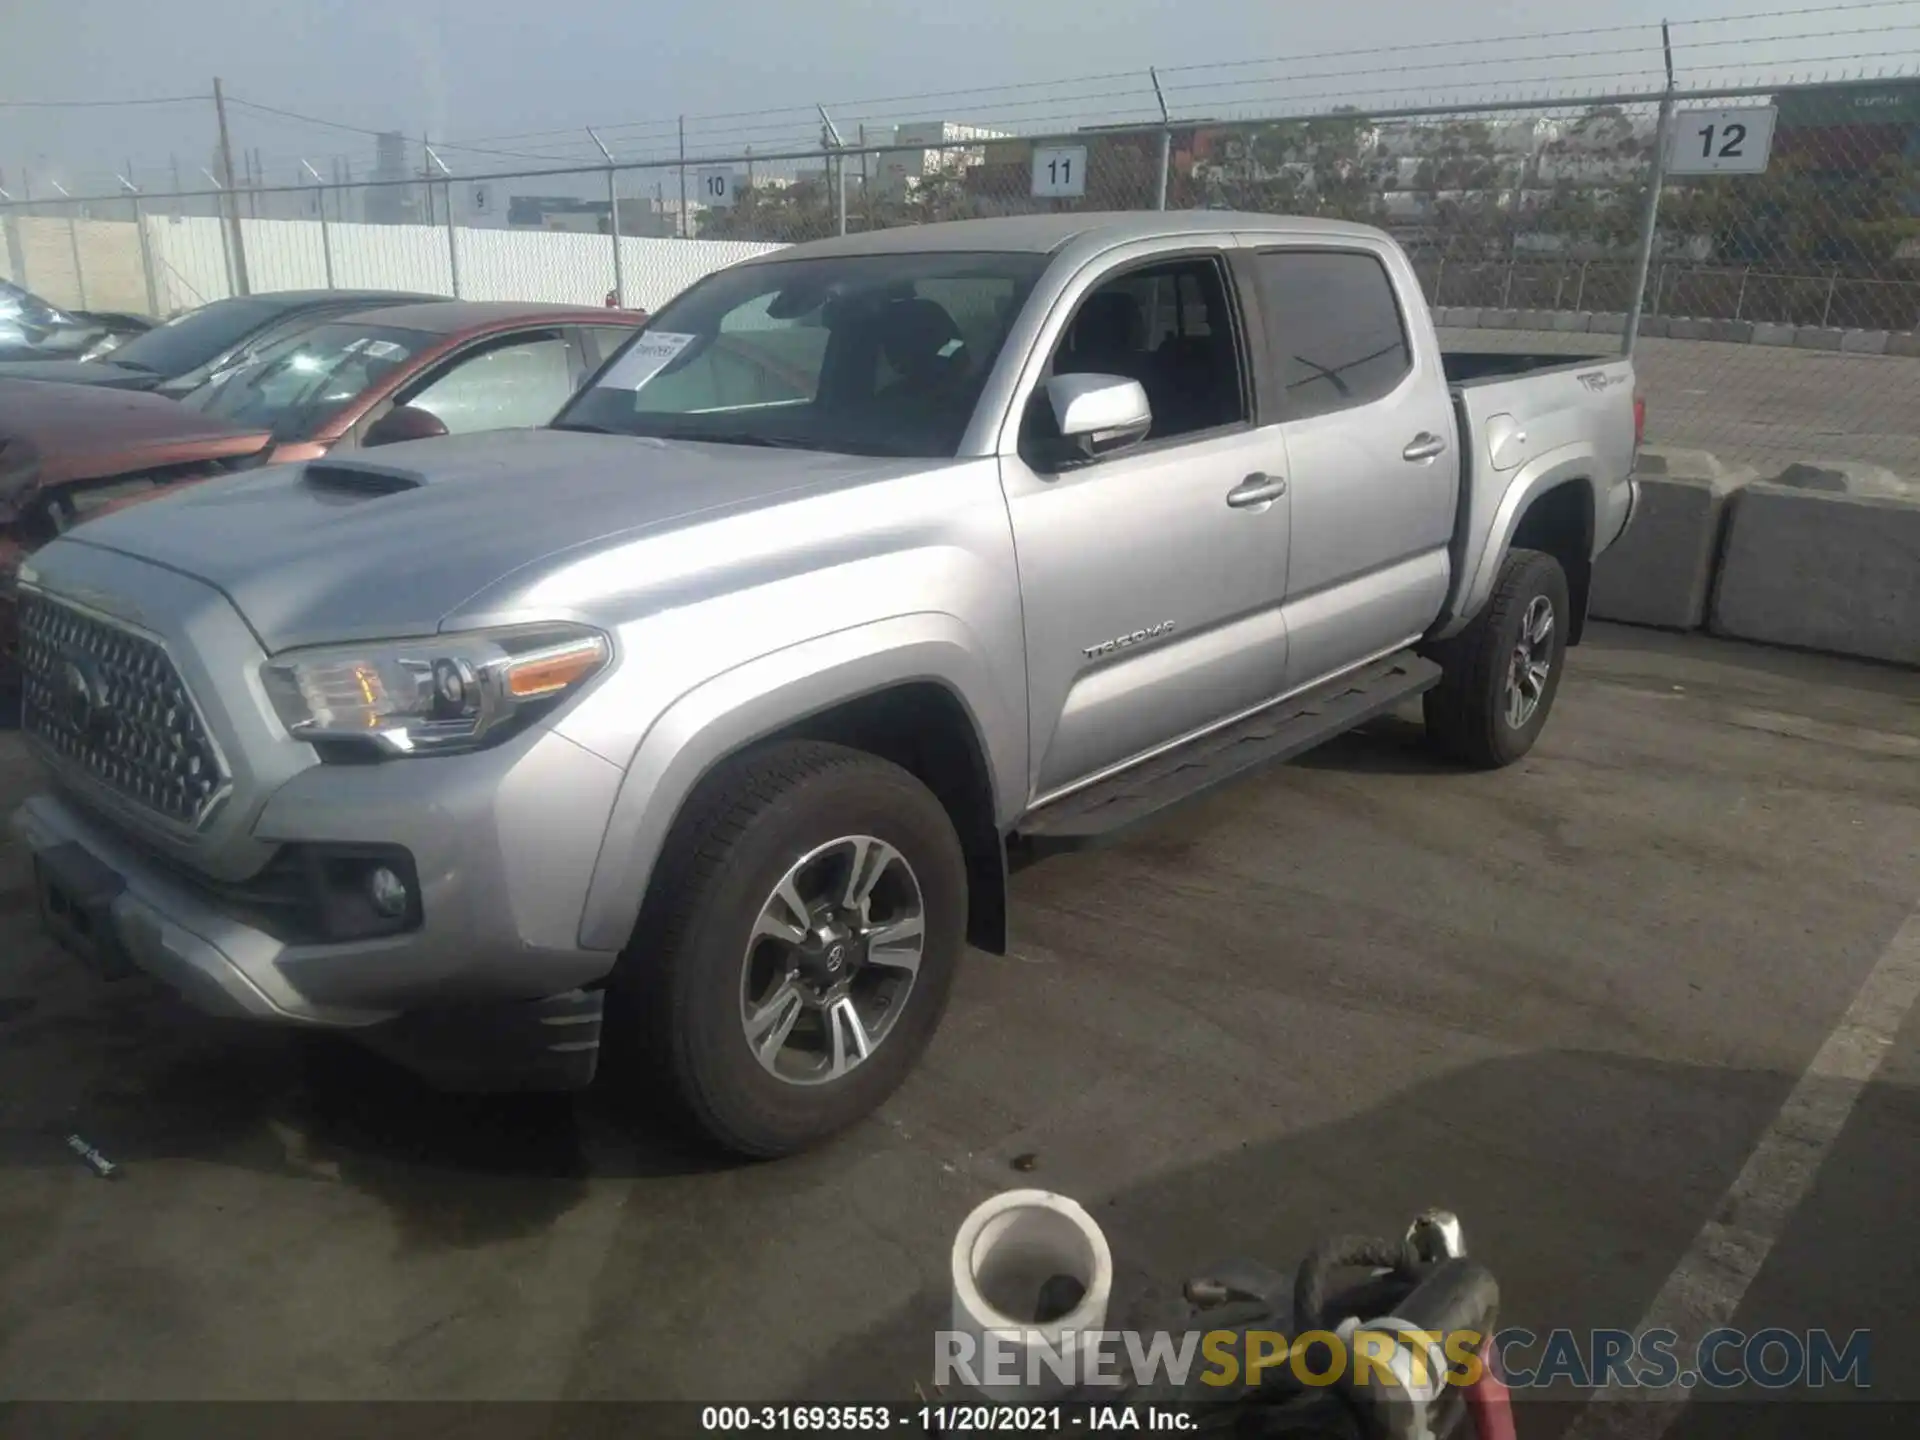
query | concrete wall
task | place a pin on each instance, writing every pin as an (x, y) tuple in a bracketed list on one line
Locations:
[(191, 264), (1661, 571), (1822, 571)]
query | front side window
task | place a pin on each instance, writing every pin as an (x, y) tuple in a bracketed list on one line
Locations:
[(1336, 329), (866, 355), (506, 387), (296, 386), (1166, 327)]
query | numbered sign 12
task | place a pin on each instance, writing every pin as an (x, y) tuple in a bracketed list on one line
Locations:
[(714, 188), (1721, 142), (1059, 171)]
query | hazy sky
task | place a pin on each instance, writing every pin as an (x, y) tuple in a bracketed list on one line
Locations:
[(479, 69)]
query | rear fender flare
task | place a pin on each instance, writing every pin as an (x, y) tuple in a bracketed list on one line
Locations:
[(1576, 463)]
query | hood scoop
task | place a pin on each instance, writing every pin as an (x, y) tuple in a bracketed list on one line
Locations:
[(347, 477)]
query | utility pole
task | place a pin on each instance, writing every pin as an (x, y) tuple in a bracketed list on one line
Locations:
[(228, 198), (426, 173)]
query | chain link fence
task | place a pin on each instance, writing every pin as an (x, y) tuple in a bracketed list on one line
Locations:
[(1776, 322)]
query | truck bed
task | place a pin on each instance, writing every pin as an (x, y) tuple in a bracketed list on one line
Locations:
[(1470, 367)]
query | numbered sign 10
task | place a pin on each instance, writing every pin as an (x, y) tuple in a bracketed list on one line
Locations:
[(713, 188), (1059, 171), (1721, 142)]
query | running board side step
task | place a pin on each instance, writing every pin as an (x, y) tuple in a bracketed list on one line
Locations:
[(1091, 816)]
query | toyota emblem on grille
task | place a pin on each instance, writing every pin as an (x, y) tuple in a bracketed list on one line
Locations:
[(81, 694)]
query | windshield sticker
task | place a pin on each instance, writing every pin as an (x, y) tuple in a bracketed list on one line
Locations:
[(644, 359), (384, 349)]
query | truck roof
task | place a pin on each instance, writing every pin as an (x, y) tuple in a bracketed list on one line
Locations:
[(1045, 234)]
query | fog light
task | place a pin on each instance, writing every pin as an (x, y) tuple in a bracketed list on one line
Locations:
[(388, 892)]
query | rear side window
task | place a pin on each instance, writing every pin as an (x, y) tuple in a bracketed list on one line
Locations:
[(1337, 337)]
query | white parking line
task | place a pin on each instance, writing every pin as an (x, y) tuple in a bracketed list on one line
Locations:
[(1707, 1286)]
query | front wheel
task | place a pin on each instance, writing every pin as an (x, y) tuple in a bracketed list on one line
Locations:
[(796, 953), (1503, 671)]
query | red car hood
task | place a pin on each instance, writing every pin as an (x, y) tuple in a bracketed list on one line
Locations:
[(54, 435)]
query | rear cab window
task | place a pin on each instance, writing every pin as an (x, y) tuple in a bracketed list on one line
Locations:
[(1334, 329)]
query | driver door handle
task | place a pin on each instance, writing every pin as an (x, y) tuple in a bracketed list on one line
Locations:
[(1256, 489), (1424, 446)]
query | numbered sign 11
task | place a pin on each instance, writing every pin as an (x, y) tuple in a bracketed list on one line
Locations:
[(1721, 142), (713, 188), (1059, 171)]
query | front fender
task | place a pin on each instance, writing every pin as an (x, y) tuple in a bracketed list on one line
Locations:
[(751, 701), (1479, 572)]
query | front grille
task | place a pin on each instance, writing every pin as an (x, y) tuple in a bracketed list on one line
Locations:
[(111, 704)]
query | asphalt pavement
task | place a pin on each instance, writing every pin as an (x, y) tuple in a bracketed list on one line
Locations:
[(1566, 1000)]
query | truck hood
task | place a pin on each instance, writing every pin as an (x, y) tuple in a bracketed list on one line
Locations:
[(52, 435), (392, 543)]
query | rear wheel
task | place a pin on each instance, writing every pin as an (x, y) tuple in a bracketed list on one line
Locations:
[(1503, 671), (796, 953)]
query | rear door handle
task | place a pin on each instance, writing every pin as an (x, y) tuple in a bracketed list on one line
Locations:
[(1256, 489), (1424, 446)]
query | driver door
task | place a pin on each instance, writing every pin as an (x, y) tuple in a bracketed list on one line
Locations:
[(1152, 594)]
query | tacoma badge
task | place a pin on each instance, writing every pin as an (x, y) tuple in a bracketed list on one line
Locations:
[(1138, 637)]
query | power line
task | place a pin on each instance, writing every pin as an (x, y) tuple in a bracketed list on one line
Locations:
[(102, 104)]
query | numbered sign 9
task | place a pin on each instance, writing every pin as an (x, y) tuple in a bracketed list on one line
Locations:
[(714, 188), (1059, 171), (1721, 142)]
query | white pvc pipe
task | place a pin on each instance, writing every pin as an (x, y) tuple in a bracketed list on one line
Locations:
[(1003, 1255)]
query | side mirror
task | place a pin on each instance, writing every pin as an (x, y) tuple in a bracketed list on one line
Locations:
[(404, 422), (1099, 414)]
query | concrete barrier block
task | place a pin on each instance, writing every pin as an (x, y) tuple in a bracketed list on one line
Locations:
[(1464, 317), (1864, 342), (1661, 570), (1731, 332), (1497, 319), (1816, 337), (1608, 322), (1768, 334), (1535, 320), (1905, 342), (1685, 329), (1573, 322), (1823, 572)]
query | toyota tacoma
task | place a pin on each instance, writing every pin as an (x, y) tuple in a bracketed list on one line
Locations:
[(709, 718)]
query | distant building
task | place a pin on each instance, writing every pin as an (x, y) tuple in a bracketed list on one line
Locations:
[(639, 215), (897, 173), (1846, 139), (389, 204)]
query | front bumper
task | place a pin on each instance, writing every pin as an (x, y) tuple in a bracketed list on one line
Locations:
[(503, 845)]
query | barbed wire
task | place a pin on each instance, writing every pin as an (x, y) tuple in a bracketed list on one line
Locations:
[(1391, 74)]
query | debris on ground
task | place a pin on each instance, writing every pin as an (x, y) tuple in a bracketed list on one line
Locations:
[(97, 1162)]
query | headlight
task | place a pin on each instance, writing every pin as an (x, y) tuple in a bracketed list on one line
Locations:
[(104, 345), (437, 694)]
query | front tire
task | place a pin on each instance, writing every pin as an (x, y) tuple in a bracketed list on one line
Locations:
[(1502, 672), (797, 946)]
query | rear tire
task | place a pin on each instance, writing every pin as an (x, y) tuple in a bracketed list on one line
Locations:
[(1502, 672), (712, 978)]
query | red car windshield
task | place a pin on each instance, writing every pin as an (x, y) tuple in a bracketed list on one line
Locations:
[(295, 386)]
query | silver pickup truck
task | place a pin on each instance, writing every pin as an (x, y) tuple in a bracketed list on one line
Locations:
[(712, 717)]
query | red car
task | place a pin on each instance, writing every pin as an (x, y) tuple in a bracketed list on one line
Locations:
[(405, 372)]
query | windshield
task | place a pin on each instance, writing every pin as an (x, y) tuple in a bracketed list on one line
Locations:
[(863, 355), (196, 337), (306, 379)]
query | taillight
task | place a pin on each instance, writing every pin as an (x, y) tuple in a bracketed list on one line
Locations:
[(1639, 421)]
